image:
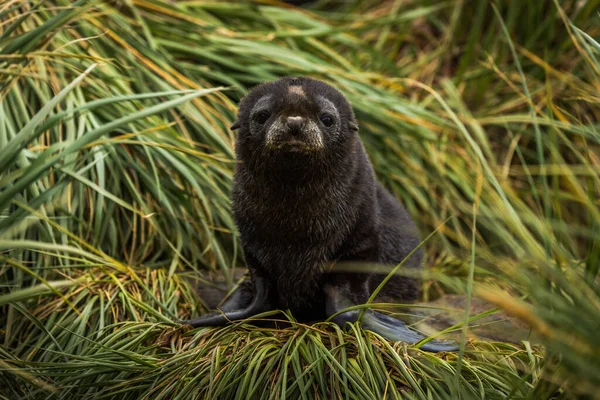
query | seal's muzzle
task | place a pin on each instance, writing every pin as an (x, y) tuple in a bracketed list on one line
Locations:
[(295, 134)]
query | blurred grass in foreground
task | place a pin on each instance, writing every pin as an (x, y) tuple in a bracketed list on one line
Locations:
[(116, 161)]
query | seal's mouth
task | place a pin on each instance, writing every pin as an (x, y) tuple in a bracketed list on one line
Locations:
[(293, 145), (297, 135)]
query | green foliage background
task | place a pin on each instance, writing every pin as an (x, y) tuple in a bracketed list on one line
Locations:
[(116, 162)]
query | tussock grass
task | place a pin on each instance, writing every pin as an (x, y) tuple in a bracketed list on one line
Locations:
[(115, 169)]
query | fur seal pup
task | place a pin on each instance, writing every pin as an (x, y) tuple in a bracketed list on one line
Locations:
[(305, 197)]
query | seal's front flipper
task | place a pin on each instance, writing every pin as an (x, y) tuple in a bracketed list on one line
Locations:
[(388, 327), (396, 330), (240, 305)]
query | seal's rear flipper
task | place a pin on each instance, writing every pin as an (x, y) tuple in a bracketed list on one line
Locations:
[(238, 306), (388, 327)]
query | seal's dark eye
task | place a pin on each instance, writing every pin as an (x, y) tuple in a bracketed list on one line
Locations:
[(327, 120), (262, 117)]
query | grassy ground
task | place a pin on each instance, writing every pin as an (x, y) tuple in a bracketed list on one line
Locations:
[(115, 168)]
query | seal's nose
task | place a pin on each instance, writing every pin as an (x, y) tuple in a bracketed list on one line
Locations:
[(295, 124)]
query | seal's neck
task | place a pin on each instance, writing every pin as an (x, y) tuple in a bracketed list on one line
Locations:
[(289, 169)]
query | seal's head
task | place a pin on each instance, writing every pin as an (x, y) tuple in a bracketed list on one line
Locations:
[(294, 117)]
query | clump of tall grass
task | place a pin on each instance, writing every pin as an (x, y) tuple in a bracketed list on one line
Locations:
[(116, 162)]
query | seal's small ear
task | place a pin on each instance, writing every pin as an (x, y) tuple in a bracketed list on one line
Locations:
[(353, 126), (236, 125)]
